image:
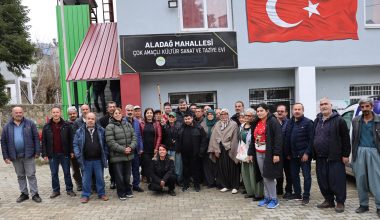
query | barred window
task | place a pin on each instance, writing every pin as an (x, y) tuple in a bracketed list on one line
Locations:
[(272, 97)]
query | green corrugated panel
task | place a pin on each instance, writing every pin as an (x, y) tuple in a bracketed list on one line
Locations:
[(77, 22)]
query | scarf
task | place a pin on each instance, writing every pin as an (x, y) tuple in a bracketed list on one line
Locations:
[(210, 123)]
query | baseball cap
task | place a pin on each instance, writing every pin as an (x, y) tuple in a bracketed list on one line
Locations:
[(136, 107)]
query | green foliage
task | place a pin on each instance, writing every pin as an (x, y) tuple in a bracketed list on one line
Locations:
[(16, 48), (4, 98)]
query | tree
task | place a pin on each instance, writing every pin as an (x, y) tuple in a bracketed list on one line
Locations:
[(4, 98), (16, 49)]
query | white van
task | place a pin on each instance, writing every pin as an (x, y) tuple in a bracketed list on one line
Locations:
[(350, 113)]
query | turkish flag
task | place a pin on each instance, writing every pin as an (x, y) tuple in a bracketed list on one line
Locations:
[(301, 20)]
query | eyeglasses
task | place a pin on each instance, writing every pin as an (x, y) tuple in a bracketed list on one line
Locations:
[(223, 114)]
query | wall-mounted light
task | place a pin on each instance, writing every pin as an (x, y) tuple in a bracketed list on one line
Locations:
[(173, 3)]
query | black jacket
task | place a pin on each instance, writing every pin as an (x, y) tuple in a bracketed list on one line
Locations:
[(170, 136), (162, 169), (199, 140), (179, 115), (235, 118), (104, 121), (338, 138), (66, 139), (303, 140), (273, 148)]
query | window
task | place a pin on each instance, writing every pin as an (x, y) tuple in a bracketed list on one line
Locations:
[(272, 97), (348, 118), (361, 91), (372, 13), (199, 98), (203, 15)]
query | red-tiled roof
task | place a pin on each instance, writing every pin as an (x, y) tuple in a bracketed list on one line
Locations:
[(97, 58)]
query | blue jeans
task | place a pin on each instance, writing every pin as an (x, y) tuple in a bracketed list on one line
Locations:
[(178, 167), (96, 167), (54, 162), (295, 165), (136, 169)]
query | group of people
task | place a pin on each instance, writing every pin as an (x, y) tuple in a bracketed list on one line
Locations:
[(192, 145)]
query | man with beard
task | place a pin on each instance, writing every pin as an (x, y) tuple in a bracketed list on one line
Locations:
[(239, 108), (77, 176)]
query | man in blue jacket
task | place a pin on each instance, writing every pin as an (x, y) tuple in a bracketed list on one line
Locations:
[(20, 145), (298, 137), (91, 152), (138, 150)]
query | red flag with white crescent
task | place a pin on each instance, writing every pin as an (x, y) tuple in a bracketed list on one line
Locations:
[(301, 20)]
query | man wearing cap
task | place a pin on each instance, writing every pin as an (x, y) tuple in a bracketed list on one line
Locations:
[(137, 113), (366, 155)]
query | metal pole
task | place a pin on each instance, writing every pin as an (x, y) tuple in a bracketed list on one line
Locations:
[(65, 53)]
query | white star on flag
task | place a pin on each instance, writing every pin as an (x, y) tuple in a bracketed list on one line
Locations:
[(312, 8)]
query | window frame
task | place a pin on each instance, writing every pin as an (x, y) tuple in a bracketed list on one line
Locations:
[(369, 26), (214, 103), (206, 28), (355, 98), (266, 100)]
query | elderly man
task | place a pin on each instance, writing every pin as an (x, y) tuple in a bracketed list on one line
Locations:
[(331, 148), (82, 120), (20, 145), (91, 151), (77, 176), (366, 154)]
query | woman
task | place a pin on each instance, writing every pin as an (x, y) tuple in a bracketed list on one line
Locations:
[(250, 171), (266, 151), (121, 140), (151, 135), (163, 172), (209, 168), (223, 146)]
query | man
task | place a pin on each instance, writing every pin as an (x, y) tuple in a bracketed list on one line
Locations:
[(217, 113), (167, 110), (366, 155), (98, 88), (239, 108), (192, 144), (91, 151), (205, 109), (331, 148), (192, 107), (77, 176), (298, 139), (137, 113), (138, 150), (57, 139), (79, 122), (20, 145), (198, 115), (182, 110), (282, 118), (104, 121)]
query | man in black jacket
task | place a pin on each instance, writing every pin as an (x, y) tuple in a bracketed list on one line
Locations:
[(57, 139), (77, 176), (192, 144), (239, 108), (182, 110), (332, 150)]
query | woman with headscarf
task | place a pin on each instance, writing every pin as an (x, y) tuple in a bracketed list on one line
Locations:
[(266, 151), (209, 168), (223, 146), (249, 171)]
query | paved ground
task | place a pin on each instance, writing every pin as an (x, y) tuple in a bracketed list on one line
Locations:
[(207, 204)]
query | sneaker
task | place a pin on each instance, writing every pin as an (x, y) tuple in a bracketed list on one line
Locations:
[(185, 188), (339, 207), (224, 190), (84, 200), (37, 198), (263, 202), (79, 188), (129, 196), (234, 191), (123, 198), (71, 193), (273, 204), (54, 194), (172, 193), (22, 198), (326, 204), (362, 209), (113, 185), (197, 188), (138, 189), (104, 198), (294, 197), (305, 201), (287, 195)]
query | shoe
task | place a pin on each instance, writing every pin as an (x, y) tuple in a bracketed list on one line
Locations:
[(362, 209), (273, 204), (248, 196), (234, 191), (138, 189), (172, 193), (84, 200), (326, 204), (71, 193), (129, 196), (224, 190), (79, 188), (104, 198), (305, 201), (185, 188), (54, 194), (378, 213), (113, 185), (123, 198), (257, 198), (294, 197), (37, 198), (244, 192), (263, 202), (22, 198), (287, 195), (339, 207), (197, 188)]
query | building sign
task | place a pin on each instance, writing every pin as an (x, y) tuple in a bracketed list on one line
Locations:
[(176, 52)]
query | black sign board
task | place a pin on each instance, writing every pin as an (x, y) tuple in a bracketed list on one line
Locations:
[(175, 52)]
